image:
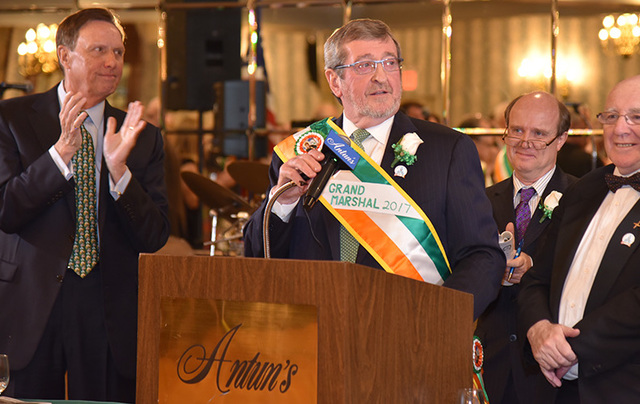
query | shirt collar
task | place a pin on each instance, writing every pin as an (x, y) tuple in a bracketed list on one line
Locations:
[(617, 172), (96, 113), (379, 132), (540, 184)]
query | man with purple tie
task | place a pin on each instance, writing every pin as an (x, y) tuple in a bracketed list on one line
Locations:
[(537, 125)]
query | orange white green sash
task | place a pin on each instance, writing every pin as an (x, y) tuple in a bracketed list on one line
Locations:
[(376, 211)]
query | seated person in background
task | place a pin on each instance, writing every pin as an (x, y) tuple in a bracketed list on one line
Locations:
[(487, 145), (537, 125), (362, 66)]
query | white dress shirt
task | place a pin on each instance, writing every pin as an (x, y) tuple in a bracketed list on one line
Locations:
[(584, 268)]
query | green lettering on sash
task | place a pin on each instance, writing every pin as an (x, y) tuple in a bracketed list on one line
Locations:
[(338, 188), (334, 200), (347, 200), (332, 187)]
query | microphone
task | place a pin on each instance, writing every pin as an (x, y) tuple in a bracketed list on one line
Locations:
[(338, 155), (27, 87)]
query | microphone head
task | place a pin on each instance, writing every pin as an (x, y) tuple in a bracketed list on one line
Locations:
[(340, 146)]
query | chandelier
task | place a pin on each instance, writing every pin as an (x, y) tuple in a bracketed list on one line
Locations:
[(622, 34), (38, 53)]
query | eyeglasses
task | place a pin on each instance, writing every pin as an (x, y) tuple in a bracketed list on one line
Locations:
[(369, 66), (515, 141), (611, 118)]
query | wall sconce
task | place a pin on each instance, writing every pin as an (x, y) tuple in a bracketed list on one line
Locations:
[(38, 53), (537, 71), (622, 34)]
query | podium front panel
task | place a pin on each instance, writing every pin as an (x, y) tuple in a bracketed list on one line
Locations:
[(237, 352), (381, 338)]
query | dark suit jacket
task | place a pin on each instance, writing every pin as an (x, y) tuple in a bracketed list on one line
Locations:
[(497, 326), (446, 182), (37, 228), (608, 347)]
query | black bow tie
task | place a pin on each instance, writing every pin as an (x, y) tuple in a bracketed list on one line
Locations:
[(614, 182)]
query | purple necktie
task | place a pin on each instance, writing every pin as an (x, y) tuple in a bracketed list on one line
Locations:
[(523, 212)]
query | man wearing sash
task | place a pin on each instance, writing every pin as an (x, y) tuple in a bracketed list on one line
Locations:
[(580, 302), (413, 204)]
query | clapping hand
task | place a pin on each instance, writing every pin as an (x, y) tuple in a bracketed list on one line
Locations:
[(118, 145), (71, 118)]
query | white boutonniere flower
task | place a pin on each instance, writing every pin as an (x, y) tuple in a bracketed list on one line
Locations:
[(405, 149), (550, 202)]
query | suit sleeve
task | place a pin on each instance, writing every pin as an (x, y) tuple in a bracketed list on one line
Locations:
[(143, 207), (534, 296), (477, 263), (610, 335), (30, 182)]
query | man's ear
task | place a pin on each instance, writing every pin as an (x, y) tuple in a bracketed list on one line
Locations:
[(334, 82), (63, 56), (562, 139)]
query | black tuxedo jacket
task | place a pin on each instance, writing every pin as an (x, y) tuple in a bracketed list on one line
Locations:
[(37, 228), (608, 347), (446, 181), (497, 326)]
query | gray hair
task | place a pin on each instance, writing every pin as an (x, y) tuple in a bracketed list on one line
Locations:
[(361, 29)]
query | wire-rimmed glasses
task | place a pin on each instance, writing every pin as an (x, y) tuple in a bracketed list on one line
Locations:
[(369, 66)]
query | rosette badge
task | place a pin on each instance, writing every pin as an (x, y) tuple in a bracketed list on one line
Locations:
[(550, 203), (405, 152)]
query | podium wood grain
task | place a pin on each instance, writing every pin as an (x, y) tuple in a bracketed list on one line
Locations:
[(382, 338)]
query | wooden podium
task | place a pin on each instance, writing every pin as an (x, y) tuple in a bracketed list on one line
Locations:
[(381, 338)]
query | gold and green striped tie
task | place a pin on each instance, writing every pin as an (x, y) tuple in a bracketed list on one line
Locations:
[(348, 244)]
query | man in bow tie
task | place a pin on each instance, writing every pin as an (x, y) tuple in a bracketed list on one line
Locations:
[(580, 303), (444, 181)]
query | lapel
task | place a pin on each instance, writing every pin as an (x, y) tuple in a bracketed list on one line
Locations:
[(44, 119), (501, 197), (45, 122), (104, 195), (401, 125), (558, 182), (577, 217), (615, 257)]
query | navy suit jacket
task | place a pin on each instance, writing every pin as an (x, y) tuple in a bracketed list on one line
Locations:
[(37, 228), (608, 347), (497, 326), (446, 181)]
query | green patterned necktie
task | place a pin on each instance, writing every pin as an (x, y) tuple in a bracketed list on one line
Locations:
[(85, 246), (348, 244)]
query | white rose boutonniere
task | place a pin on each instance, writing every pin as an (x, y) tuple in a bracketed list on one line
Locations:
[(405, 149), (550, 202)]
